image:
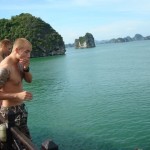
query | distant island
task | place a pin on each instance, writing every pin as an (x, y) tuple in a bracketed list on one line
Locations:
[(86, 41), (137, 37)]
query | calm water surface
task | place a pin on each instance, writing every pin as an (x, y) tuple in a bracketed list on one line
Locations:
[(93, 99)]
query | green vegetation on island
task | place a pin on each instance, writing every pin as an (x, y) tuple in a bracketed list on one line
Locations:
[(45, 40)]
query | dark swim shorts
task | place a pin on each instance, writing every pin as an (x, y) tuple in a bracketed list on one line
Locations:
[(18, 114)]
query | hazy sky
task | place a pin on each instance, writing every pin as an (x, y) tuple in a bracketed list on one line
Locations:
[(105, 19)]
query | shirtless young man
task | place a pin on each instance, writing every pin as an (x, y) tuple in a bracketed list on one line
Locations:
[(5, 48), (13, 69)]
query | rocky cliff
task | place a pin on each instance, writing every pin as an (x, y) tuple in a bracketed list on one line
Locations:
[(86, 41)]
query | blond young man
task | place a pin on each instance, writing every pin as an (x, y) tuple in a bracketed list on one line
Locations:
[(5, 48), (13, 69)]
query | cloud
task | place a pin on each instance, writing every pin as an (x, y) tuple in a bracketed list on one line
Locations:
[(91, 3), (101, 5)]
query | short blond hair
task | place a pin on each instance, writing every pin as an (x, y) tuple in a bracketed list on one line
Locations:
[(20, 43)]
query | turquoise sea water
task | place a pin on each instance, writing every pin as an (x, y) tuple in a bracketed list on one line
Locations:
[(93, 99)]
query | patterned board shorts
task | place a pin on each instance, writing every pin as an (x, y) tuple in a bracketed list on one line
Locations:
[(19, 114)]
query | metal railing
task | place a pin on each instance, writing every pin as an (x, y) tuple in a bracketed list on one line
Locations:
[(13, 133)]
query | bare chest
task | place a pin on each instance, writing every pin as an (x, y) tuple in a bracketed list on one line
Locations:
[(15, 77)]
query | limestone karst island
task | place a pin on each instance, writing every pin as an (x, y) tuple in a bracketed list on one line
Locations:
[(45, 40), (86, 41)]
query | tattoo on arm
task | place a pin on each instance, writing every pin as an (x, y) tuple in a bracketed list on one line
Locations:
[(4, 75)]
